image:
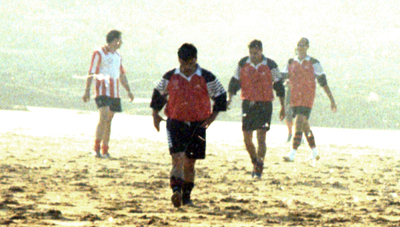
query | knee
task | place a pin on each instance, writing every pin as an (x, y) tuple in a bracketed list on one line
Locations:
[(177, 159), (189, 164), (262, 144), (248, 141), (248, 144), (109, 118), (189, 169)]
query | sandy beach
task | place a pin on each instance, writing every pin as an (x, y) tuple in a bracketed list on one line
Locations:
[(49, 177)]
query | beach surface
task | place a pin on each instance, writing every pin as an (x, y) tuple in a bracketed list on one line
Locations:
[(49, 177)]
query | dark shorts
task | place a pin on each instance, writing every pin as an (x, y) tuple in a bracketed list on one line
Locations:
[(113, 103), (256, 115), (301, 110), (188, 137)]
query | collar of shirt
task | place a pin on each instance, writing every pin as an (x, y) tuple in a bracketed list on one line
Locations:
[(197, 72), (107, 50), (307, 58), (263, 62)]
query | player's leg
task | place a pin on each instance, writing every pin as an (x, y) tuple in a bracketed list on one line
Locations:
[(248, 128), (107, 132), (176, 178), (314, 156), (299, 122), (115, 106), (289, 121), (250, 147), (177, 165), (289, 115), (261, 151), (189, 173), (100, 128), (195, 149), (103, 104), (289, 124), (176, 141), (263, 122), (262, 145)]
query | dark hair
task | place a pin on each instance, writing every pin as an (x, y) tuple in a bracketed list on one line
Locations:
[(305, 39), (113, 34), (255, 44), (187, 52)]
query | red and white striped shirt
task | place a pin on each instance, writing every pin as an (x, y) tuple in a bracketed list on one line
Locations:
[(107, 67)]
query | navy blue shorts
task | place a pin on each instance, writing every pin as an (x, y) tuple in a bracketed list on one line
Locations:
[(188, 137), (301, 110), (256, 115), (113, 103)]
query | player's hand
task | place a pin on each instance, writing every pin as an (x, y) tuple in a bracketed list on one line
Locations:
[(86, 96), (282, 114), (333, 107), (157, 120), (228, 103), (209, 120), (131, 96)]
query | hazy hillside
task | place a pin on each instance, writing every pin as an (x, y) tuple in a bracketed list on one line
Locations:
[(44, 43)]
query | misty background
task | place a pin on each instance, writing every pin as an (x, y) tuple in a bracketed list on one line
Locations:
[(44, 43)]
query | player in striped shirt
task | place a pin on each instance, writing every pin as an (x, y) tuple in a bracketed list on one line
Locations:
[(303, 71), (186, 92), (107, 72)]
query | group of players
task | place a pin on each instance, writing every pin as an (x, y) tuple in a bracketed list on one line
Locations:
[(185, 92)]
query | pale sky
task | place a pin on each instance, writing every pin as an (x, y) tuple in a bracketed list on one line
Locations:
[(347, 36)]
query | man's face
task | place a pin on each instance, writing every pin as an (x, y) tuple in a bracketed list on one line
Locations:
[(255, 55), (116, 43), (188, 67), (302, 47)]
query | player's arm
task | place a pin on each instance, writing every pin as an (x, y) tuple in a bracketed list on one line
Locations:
[(125, 84), (280, 92), (86, 95), (218, 94), (219, 105), (322, 81), (234, 85), (159, 99), (278, 86), (95, 62)]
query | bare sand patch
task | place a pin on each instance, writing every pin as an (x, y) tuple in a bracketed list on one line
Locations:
[(48, 176)]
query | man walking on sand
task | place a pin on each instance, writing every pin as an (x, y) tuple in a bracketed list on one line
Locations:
[(186, 92), (107, 71), (257, 76), (302, 72)]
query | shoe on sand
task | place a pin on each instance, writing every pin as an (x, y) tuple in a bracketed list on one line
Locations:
[(188, 203), (106, 155), (312, 161), (290, 156), (287, 159), (176, 199), (258, 169), (289, 138), (96, 154)]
